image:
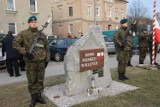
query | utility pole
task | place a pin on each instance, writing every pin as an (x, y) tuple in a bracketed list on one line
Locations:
[(95, 12), (52, 20)]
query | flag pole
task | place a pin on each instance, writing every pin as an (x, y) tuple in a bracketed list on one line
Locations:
[(153, 37)]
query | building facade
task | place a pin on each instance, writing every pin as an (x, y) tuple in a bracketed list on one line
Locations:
[(75, 16), (15, 13)]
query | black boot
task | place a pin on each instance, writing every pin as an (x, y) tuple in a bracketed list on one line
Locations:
[(33, 100), (124, 76), (129, 64), (40, 99), (141, 62), (22, 68), (121, 76)]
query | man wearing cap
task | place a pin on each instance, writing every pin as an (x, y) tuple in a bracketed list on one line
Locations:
[(123, 41), (143, 45), (36, 61)]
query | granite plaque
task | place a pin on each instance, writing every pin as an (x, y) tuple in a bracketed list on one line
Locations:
[(91, 59)]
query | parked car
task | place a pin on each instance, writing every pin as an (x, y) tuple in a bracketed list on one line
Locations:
[(110, 45), (59, 46), (2, 59)]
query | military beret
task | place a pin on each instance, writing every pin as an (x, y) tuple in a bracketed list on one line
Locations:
[(123, 21), (32, 18)]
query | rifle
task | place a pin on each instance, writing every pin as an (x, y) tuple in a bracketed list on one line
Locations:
[(129, 32), (38, 34)]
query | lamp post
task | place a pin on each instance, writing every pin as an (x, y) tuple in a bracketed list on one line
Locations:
[(95, 12), (52, 19)]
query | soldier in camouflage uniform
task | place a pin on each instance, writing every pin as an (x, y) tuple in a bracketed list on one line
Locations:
[(123, 48), (131, 51), (143, 45), (35, 62), (133, 30)]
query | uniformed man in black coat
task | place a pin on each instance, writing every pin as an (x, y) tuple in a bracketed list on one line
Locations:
[(12, 55)]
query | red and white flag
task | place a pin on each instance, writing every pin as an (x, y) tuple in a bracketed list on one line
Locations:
[(100, 56), (157, 32)]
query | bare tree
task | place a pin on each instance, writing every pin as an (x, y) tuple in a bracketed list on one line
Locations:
[(137, 10)]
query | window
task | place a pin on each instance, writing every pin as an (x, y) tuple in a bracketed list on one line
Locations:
[(70, 11), (70, 29), (89, 25), (98, 24), (33, 5), (109, 0), (10, 5), (116, 14), (97, 11), (89, 10), (12, 27), (60, 12), (121, 15), (109, 13), (109, 27)]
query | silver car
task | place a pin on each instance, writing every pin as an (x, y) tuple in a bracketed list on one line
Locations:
[(110, 45), (2, 59)]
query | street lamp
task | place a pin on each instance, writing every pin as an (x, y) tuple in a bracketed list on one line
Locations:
[(52, 20), (95, 12)]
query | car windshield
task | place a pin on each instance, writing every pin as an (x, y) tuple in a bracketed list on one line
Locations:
[(107, 39), (60, 42), (50, 37), (71, 41)]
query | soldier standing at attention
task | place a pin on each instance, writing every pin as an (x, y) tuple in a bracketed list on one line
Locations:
[(143, 45), (131, 51), (35, 62), (123, 41), (133, 33)]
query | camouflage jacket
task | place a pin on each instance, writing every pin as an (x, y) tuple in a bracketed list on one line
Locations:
[(143, 40), (119, 37), (24, 40)]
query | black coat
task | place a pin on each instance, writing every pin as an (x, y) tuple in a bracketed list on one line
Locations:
[(8, 49)]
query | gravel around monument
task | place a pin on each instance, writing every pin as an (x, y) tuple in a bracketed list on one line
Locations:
[(55, 94)]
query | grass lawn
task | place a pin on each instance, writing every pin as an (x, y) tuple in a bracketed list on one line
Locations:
[(148, 95)]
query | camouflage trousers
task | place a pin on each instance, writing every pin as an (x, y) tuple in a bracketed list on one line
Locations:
[(130, 55), (122, 58), (142, 53), (35, 75)]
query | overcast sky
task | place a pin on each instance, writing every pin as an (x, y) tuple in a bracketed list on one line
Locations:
[(147, 3)]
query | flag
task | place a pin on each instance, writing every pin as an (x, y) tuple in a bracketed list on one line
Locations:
[(100, 56), (157, 32)]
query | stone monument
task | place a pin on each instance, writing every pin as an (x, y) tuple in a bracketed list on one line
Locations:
[(86, 64)]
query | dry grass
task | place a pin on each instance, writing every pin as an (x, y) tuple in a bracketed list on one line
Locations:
[(147, 96), (16, 95)]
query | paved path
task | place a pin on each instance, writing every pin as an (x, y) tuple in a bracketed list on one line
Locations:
[(55, 68)]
